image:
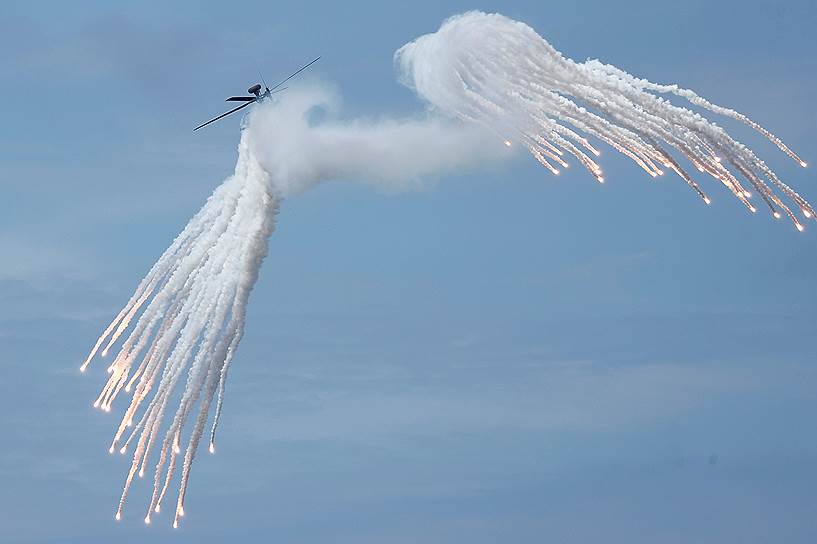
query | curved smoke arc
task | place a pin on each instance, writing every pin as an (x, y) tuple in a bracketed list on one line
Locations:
[(485, 76)]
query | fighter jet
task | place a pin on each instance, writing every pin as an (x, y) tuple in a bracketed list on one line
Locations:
[(257, 95)]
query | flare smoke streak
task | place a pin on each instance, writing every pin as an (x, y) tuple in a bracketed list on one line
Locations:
[(488, 79)]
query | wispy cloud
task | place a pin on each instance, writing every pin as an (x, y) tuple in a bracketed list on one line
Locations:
[(556, 396)]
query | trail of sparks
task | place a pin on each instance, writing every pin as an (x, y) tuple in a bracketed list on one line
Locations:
[(189, 316), (491, 70)]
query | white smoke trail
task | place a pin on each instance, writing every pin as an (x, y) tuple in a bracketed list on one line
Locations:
[(496, 78), (500, 73), (192, 306), (385, 152)]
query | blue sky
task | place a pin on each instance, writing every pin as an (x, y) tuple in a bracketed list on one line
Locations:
[(498, 356)]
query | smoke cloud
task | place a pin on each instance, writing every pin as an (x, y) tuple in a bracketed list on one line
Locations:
[(391, 153), (487, 81)]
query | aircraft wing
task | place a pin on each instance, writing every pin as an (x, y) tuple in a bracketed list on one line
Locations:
[(226, 114), (301, 69)]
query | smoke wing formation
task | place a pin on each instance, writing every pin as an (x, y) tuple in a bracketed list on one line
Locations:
[(187, 315)]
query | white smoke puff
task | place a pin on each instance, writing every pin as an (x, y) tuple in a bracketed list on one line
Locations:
[(392, 153)]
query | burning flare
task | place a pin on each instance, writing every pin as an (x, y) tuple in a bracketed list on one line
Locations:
[(500, 73), (192, 304)]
